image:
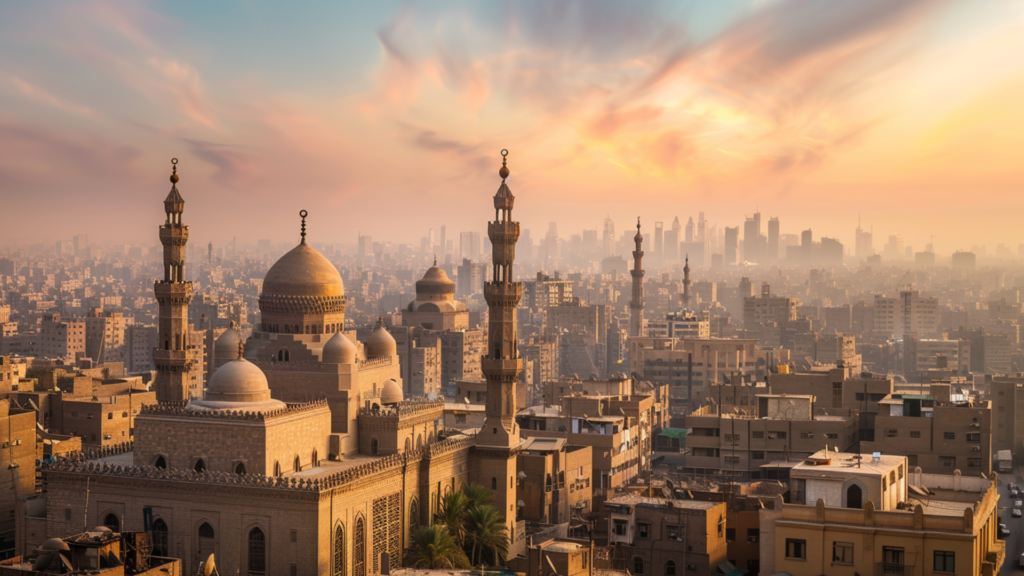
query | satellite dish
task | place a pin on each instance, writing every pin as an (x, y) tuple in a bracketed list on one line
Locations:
[(210, 567)]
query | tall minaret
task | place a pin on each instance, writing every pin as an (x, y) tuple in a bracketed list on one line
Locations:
[(686, 284), (636, 305), (497, 442), (174, 355)]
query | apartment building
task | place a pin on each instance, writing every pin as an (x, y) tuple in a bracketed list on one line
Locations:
[(940, 431), (860, 514), (766, 309), (1006, 395), (766, 439), (907, 313), (838, 388), (555, 480), (663, 537), (61, 339)]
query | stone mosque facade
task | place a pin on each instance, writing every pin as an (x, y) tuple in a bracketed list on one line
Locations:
[(302, 456)]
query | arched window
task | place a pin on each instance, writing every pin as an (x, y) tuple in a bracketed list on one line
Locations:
[(111, 521), (240, 468), (297, 465), (670, 568), (374, 444), (854, 497), (359, 550), (339, 551), (638, 565), (408, 444), (257, 553), (419, 441), (160, 463), (315, 461), (414, 515), (200, 465), (277, 469), (494, 483), (206, 541), (160, 538)]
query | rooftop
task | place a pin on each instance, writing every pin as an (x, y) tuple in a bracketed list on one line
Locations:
[(830, 461), (638, 500)]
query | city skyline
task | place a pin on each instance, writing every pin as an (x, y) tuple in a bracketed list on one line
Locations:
[(812, 114)]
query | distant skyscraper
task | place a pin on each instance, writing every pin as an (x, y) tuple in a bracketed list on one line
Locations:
[(689, 230), (863, 245), (659, 241), (702, 228), (773, 239), (636, 305), (753, 241), (672, 238), (609, 237), (732, 237)]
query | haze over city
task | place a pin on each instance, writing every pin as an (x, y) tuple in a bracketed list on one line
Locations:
[(904, 112)]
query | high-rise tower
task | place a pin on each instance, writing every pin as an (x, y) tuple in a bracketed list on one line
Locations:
[(636, 305), (686, 284), (497, 443), (174, 357)]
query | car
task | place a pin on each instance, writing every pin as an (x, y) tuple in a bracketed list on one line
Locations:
[(1003, 532), (1016, 512), (1018, 503)]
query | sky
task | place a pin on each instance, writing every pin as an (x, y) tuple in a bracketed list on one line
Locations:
[(387, 118)]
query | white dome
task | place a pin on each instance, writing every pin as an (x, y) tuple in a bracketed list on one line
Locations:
[(339, 350), (391, 393), (238, 385)]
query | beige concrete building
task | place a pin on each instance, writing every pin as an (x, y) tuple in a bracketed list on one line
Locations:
[(765, 310), (61, 339), (856, 514), (18, 460), (662, 537), (907, 313), (105, 339), (555, 480)]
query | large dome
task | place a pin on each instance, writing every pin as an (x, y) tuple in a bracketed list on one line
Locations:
[(303, 272)]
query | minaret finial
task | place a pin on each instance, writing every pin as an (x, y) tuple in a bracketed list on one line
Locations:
[(435, 259), (637, 223), (504, 168), (241, 349), (303, 214), (174, 171)]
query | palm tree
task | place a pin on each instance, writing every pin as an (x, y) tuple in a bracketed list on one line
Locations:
[(434, 548), (486, 532), (477, 494), (452, 515)]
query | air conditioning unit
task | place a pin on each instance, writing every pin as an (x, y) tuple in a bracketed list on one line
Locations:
[(975, 425), (975, 448)]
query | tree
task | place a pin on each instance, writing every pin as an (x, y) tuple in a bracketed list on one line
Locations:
[(433, 548), (486, 535), (477, 495), (452, 515)]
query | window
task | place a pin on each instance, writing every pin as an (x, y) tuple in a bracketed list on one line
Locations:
[(806, 435), (460, 418), (200, 465), (339, 551), (293, 536), (638, 565), (111, 521), (161, 462), (240, 468), (842, 553), (621, 527), (753, 535), (494, 483), (359, 550), (757, 455), (673, 532), (670, 567), (949, 435), (796, 549), (730, 534), (374, 444), (948, 461), (974, 462), (643, 530), (721, 526), (915, 433), (732, 459), (776, 435), (732, 437), (892, 556), (974, 437), (944, 561), (257, 553), (890, 433), (832, 436), (757, 434), (159, 538)]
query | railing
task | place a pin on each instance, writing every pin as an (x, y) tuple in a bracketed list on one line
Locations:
[(887, 569)]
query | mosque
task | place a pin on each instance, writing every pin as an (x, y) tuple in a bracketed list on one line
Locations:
[(303, 456)]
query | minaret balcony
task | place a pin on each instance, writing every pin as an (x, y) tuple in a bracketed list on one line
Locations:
[(490, 365), (508, 231), (498, 293)]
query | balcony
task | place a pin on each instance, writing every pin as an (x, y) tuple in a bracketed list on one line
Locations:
[(887, 569)]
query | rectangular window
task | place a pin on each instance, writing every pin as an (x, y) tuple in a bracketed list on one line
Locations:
[(732, 459), (891, 433), (776, 435), (753, 535), (806, 435), (796, 549), (915, 433), (620, 527), (949, 435), (832, 436), (460, 418), (673, 532), (293, 535), (974, 437), (842, 553), (732, 437), (730, 534), (643, 530), (892, 556), (948, 461), (757, 434), (974, 462), (757, 455), (945, 561)]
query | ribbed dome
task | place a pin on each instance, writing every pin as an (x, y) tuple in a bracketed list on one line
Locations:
[(435, 285), (391, 393), (303, 272), (380, 344), (238, 381), (339, 350), (226, 346)]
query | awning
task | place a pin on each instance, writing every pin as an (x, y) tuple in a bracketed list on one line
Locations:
[(729, 570), (781, 464), (679, 433)]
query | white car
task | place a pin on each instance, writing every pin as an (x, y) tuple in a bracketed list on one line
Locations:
[(1016, 512), (1018, 503)]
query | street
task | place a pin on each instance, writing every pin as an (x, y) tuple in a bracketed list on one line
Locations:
[(1014, 546)]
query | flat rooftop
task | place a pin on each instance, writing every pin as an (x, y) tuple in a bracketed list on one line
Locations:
[(847, 463), (636, 499)]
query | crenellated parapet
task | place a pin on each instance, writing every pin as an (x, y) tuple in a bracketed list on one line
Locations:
[(181, 409)]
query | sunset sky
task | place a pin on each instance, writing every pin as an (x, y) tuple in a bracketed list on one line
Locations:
[(387, 118)]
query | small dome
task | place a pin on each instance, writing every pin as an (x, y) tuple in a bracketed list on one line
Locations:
[(238, 381), (380, 344), (339, 350), (226, 346), (391, 393), (53, 545), (104, 529), (303, 272)]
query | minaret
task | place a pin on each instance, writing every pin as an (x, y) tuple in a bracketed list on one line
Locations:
[(686, 284), (497, 442), (174, 356), (636, 305)]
